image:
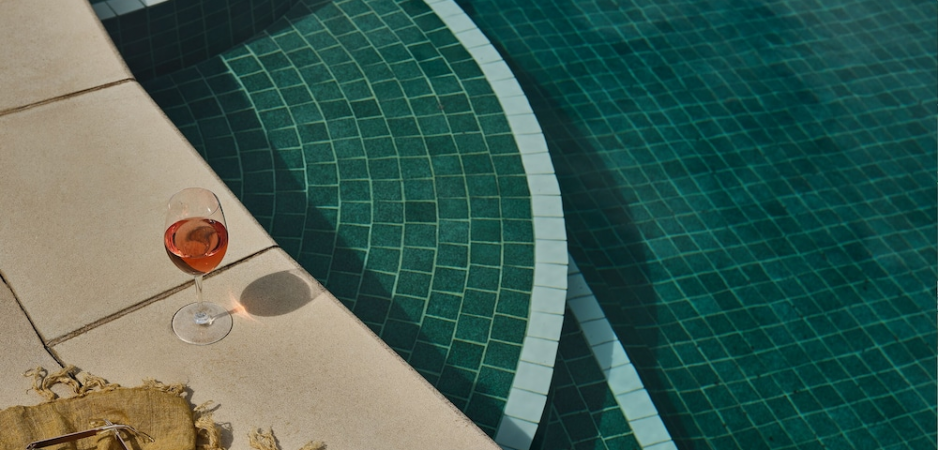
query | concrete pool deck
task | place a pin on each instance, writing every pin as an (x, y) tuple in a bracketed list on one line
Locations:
[(88, 162)]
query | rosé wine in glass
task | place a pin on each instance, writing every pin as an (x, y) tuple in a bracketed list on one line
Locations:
[(196, 246), (196, 240)]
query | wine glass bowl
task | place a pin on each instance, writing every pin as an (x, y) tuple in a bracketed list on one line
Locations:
[(196, 245), (196, 240)]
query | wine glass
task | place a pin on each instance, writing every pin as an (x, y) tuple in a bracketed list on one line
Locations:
[(196, 240)]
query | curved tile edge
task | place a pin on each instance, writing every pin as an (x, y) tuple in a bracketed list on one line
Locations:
[(528, 395), (621, 375)]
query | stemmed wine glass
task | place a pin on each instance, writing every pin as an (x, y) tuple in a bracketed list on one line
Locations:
[(196, 240)]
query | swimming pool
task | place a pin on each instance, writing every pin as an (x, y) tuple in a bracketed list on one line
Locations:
[(748, 190)]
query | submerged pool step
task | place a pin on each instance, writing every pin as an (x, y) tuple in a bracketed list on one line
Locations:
[(528, 396), (619, 372)]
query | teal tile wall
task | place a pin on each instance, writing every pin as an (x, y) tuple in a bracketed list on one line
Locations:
[(169, 36), (749, 189), (366, 141)]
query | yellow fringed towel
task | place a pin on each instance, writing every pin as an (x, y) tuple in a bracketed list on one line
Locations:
[(158, 410), (162, 411)]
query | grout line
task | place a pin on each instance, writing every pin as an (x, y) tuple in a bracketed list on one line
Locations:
[(621, 377), (29, 319), (17, 109), (527, 399), (149, 301)]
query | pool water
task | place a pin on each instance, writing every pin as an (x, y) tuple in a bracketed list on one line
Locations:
[(748, 187)]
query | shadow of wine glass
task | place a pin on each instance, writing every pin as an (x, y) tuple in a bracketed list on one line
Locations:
[(275, 294)]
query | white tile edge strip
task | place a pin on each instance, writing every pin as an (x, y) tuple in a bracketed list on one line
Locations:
[(110, 9), (103, 11), (623, 380), (528, 396), (121, 7)]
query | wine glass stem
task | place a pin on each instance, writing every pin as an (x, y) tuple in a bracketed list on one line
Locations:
[(201, 317)]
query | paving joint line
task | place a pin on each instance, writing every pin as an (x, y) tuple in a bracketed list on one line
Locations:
[(147, 302)]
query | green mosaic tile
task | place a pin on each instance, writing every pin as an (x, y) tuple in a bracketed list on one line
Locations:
[(483, 278), (473, 328), (384, 259), (518, 254), (413, 283), (481, 303), (512, 303), (495, 382), (465, 354), (400, 335), (407, 308), (452, 231), (456, 383), (444, 306), (429, 358), (753, 226), (505, 328), (486, 409), (486, 254), (502, 355)]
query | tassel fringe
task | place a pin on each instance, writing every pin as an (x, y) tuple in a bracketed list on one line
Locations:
[(208, 433)]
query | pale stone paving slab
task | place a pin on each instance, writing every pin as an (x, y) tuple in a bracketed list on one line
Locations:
[(296, 360), (22, 351), (53, 48), (84, 183)]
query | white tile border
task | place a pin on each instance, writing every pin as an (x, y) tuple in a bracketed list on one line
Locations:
[(548, 251), (525, 405), (548, 300), (667, 445), (544, 185), (533, 377), (620, 373), (103, 11), (544, 325), (515, 433), (528, 396), (121, 7), (110, 9)]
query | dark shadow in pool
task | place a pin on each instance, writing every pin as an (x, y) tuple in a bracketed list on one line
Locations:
[(275, 294), (298, 10), (603, 240), (341, 266)]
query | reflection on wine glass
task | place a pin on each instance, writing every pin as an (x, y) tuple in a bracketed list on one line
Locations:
[(196, 240)]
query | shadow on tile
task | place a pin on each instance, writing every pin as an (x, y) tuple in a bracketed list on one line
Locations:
[(276, 294)]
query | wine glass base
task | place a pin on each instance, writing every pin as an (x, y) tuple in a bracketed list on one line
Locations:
[(189, 330)]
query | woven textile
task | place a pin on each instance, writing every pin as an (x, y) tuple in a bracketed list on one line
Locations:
[(159, 410)]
